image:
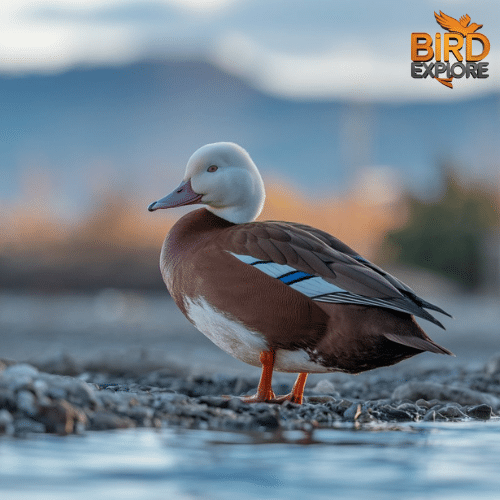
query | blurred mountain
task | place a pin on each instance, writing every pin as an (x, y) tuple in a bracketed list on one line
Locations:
[(138, 120)]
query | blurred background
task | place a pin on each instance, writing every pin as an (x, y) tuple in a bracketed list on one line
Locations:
[(103, 101)]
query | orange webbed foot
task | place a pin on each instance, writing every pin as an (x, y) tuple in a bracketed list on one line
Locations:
[(265, 392), (259, 398), (266, 395)]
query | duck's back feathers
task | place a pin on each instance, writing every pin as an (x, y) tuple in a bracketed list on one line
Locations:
[(422, 344), (336, 244), (320, 266)]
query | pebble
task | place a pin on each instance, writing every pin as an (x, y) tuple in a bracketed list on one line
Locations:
[(6, 423), (268, 421), (395, 414), (408, 407), (23, 426), (351, 413), (325, 386), (18, 372), (444, 392), (34, 401), (422, 403), (452, 411), (430, 416), (104, 420), (492, 366), (481, 412), (26, 402), (320, 399)]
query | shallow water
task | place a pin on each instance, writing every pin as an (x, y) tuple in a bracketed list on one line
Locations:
[(412, 461)]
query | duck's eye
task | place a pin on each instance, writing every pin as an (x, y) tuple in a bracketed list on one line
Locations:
[(212, 168)]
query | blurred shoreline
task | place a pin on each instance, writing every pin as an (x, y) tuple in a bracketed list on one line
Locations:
[(117, 244), (130, 331)]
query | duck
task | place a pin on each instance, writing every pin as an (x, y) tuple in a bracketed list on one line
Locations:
[(281, 296)]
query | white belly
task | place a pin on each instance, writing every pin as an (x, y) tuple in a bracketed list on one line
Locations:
[(240, 342), (225, 332), (297, 361)]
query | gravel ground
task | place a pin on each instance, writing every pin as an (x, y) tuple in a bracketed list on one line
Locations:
[(118, 360), (35, 401)]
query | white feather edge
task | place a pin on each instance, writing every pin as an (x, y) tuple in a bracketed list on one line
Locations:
[(310, 287), (313, 287)]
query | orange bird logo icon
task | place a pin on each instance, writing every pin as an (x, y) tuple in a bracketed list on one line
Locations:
[(461, 34), (451, 24)]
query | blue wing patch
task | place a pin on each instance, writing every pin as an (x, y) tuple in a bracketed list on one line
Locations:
[(294, 277), (315, 287), (312, 286)]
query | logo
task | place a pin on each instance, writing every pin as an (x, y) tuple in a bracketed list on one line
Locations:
[(459, 34)]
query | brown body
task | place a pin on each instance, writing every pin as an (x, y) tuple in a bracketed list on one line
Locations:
[(196, 262)]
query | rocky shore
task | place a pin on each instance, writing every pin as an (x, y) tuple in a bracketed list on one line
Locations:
[(34, 401)]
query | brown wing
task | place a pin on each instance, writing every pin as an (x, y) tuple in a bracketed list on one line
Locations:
[(284, 244), (338, 245), (325, 237), (447, 22), (317, 253), (423, 344)]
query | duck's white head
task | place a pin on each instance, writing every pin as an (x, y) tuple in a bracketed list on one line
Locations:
[(223, 177)]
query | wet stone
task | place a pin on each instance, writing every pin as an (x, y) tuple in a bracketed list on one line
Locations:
[(320, 399), (325, 386), (452, 411), (492, 366), (56, 392), (40, 388), (481, 412), (34, 401), (215, 401), (169, 397), (408, 407), (6, 423), (290, 406), (431, 416), (26, 402), (394, 414), (268, 420), (443, 392), (436, 408), (62, 418), (102, 420), (19, 372), (352, 412), (422, 403), (23, 426), (236, 404), (140, 413)]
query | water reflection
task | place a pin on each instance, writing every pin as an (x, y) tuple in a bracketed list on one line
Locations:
[(386, 462)]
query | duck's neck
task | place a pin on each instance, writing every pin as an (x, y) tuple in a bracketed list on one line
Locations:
[(246, 208), (235, 215)]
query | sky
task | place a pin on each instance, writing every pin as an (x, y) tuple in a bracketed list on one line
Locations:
[(320, 49)]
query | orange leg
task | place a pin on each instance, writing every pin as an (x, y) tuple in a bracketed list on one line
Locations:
[(297, 393), (264, 391), (298, 389)]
